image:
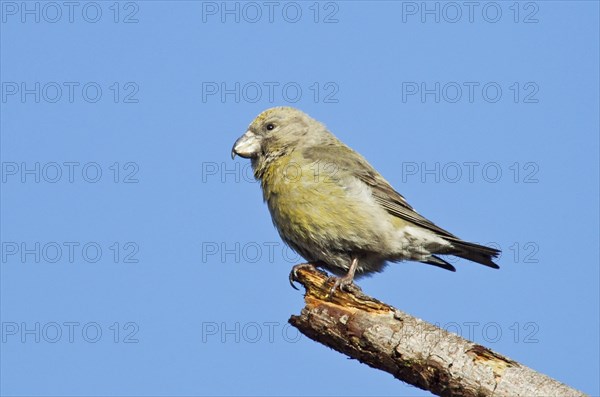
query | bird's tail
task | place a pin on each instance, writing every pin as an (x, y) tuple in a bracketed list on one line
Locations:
[(474, 252)]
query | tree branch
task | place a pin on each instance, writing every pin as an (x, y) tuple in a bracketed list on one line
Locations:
[(409, 348)]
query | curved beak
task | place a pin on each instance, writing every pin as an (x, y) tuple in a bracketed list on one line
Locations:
[(248, 145)]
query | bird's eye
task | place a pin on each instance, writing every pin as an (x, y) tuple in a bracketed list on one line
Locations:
[(270, 126)]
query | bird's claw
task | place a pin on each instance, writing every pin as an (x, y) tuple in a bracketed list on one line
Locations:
[(293, 277), (341, 283)]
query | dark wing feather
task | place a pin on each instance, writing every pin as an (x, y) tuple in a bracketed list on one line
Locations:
[(439, 262)]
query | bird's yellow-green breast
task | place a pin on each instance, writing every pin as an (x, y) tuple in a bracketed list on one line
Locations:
[(308, 199)]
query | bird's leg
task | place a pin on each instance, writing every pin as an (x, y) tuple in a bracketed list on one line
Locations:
[(348, 279), (293, 274)]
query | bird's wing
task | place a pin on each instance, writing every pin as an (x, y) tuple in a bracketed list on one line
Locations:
[(342, 160)]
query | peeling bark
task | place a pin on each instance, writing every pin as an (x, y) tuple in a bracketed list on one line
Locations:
[(411, 349)]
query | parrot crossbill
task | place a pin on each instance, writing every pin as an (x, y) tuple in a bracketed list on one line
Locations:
[(332, 207)]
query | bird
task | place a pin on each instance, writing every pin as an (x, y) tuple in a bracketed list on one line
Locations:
[(333, 208)]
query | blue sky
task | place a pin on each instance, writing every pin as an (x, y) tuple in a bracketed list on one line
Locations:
[(139, 259)]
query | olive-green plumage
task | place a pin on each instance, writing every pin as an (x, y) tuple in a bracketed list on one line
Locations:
[(332, 207)]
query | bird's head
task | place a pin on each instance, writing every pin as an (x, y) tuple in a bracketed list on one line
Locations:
[(278, 131)]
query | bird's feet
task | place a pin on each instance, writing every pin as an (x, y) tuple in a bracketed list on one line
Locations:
[(293, 274), (342, 283)]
